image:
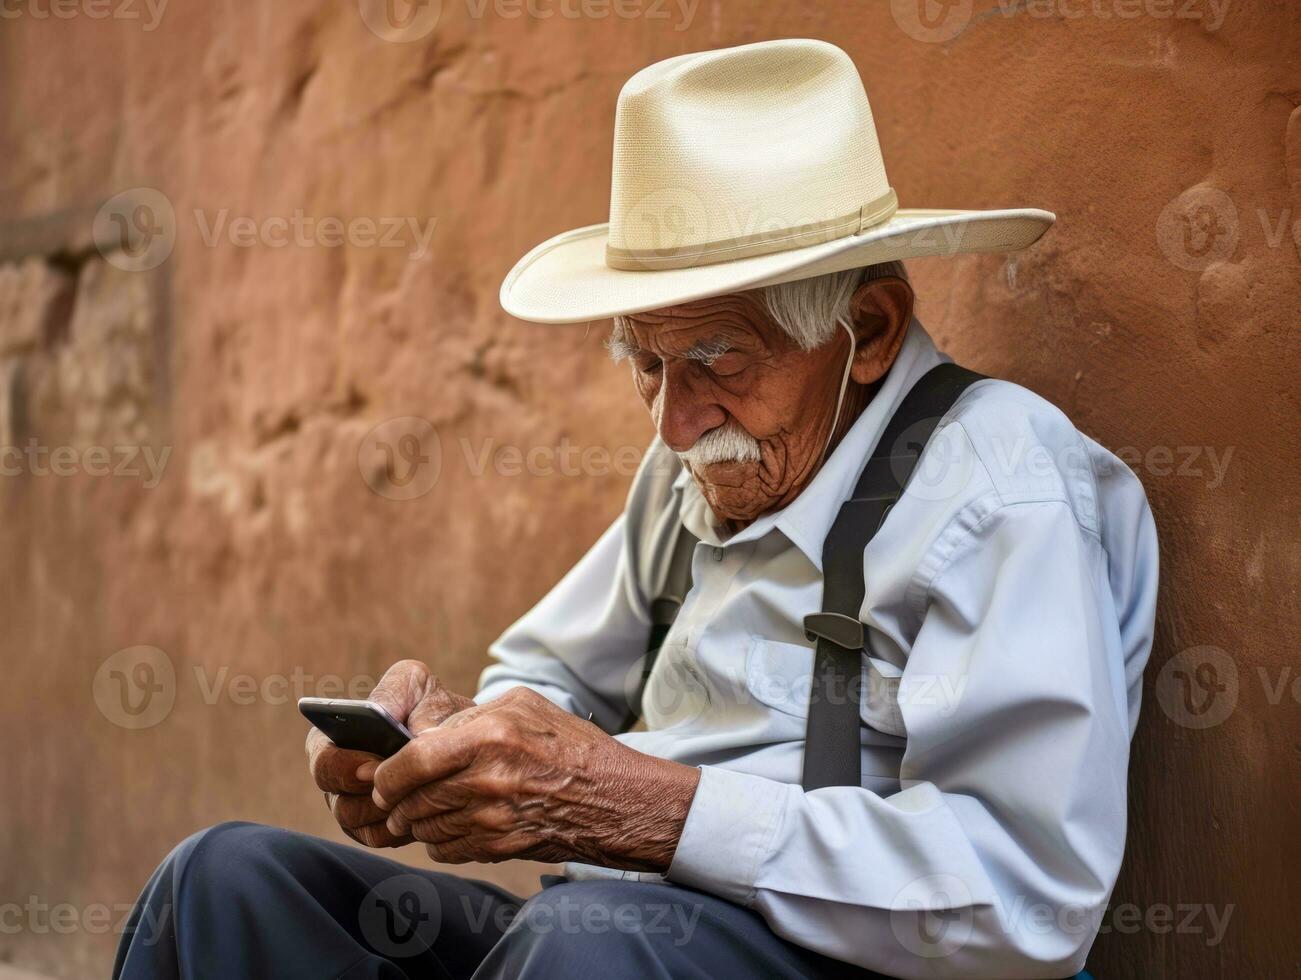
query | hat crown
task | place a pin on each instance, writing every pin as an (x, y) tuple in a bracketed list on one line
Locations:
[(742, 151)]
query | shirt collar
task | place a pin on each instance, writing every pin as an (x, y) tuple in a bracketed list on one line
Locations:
[(807, 519)]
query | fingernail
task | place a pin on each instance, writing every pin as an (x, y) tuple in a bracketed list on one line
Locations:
[(391, 824), (366, 771), (379, 800)]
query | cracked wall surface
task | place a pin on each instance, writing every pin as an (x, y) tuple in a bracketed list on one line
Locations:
[(274, 427)]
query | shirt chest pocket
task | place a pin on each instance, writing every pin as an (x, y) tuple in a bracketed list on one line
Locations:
[(780, 676)]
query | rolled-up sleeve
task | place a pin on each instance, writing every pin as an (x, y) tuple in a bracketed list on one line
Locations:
[(997, 856), (581, 644)]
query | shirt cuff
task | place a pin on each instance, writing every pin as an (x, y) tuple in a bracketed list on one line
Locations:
[(560, 698), (729, 831)]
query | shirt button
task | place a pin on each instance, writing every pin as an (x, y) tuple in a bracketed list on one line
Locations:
[(718, 554)]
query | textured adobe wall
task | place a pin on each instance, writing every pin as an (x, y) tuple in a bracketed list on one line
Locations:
[(209, 407)]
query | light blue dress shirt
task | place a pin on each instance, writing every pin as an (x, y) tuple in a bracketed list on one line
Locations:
[(1010, 602)]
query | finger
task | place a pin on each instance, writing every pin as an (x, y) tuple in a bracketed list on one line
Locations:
[(440, 796), (317, 741), (376, 835), (435, 707), (469, 714), (431, 800), (441, 828), (435, 755), (459, 851), (356, 810), (488, 847), (335, 769), (370, 834), (497, 820)]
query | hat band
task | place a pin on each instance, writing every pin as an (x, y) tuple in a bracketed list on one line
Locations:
[(777, 240)]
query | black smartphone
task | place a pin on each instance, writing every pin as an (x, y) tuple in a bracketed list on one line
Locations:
[(361, 725)]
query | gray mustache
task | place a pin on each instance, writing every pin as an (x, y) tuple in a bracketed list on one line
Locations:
[(729, 443)]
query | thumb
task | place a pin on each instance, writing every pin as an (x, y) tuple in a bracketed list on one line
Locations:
[(401, 688), (391, 701)]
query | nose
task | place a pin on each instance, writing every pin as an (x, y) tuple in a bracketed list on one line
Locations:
[(685, 408)]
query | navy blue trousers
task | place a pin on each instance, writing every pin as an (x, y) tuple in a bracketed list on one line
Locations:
[(245, 901)]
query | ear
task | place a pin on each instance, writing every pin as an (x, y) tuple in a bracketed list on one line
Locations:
[(881, 311)]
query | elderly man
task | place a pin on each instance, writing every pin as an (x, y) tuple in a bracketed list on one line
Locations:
[(886, 710)]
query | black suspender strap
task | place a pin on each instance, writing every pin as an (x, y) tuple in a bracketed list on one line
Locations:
[(663, 611), (832, 742), (831, 750)]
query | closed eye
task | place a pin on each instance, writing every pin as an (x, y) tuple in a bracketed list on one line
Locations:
[(729, 364)]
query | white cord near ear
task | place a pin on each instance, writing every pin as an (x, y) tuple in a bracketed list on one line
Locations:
[(844, 384)]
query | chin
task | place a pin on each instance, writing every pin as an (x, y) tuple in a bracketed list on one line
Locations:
[(735, 504), (732, 490), (726, 475)]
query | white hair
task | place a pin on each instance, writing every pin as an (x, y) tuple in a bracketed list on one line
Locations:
[(807, 309)]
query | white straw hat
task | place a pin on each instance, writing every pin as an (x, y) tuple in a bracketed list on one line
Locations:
[(739, 168)]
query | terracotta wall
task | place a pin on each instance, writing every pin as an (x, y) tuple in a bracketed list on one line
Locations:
[(211, 332)]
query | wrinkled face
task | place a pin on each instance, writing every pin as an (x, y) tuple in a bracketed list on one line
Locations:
[(729, 391)]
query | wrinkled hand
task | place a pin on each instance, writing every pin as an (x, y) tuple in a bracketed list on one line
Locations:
[(519, 777), (412, 695)]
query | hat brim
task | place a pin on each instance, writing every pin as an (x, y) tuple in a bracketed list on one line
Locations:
[(566, 280)]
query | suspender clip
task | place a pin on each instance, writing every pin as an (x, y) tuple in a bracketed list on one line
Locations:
[(844, 631)]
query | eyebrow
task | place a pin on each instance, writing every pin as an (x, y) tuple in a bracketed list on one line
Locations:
[(709, 350), (621, 346)]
